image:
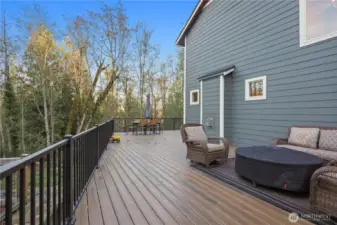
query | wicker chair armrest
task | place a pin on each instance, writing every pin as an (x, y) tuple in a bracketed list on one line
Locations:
[(279, 141), (332, 163), (203, 144), (225, 143), (224, 140), (321, 171)]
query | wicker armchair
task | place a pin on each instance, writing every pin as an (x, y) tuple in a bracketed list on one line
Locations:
[(204, 150), (323, 189)]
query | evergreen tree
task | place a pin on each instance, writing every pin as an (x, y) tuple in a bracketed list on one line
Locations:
[(12, 114)]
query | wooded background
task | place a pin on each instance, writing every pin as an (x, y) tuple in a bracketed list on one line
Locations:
[(57, 81)]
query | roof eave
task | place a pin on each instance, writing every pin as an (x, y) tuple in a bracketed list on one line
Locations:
[(197, 10)]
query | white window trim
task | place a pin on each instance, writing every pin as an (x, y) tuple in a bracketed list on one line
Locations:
[(201, 104), (264, 96), (191, 95), (303, 28), (222, 106), (185, 49)]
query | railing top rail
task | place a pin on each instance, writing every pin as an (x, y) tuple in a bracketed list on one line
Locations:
[(83, 133), (89, 130), (14, 166)]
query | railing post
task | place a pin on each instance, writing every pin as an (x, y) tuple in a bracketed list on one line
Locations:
[(125, 125), (97, 145), (69, 181), (174, 123)]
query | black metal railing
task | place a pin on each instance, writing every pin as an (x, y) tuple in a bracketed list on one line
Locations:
[(123, 124), (52, 181)]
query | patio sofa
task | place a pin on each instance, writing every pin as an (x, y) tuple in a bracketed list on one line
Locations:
[(318, 141), (321, 142)]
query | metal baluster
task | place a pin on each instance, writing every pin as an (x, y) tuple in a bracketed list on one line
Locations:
[(48, 189), (22, 196), (41, 191), (54, 187), (9, 203), (59, 185), (32, 193)]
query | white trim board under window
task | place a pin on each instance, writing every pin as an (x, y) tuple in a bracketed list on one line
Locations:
[(256, 88), (323, 21), (194, 97)]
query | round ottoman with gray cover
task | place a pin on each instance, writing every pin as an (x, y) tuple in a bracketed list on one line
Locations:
[(277, 167)]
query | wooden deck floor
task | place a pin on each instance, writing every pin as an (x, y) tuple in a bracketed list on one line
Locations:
[(147, 180)]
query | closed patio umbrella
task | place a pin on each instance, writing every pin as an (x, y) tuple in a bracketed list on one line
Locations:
[(147, 106)]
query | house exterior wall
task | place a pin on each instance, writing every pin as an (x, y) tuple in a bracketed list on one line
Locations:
[(211, 106), (261, 38)]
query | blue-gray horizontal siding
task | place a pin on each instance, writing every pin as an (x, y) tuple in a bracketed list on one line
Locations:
[(262, 39)]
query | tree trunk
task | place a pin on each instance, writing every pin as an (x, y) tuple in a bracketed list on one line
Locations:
[(9, 144), (52, 119), (23, 147), (88, 123), (100, 69), (82, 122), (2, 136), (45, 108)]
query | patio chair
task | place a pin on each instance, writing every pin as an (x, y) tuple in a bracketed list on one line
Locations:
[(160, 126), (133, 127), (154, 128), (323, 189), (144, 126), (203, 149)]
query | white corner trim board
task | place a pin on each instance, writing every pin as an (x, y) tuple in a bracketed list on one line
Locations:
[(191, 97), (184, 116), (222, 106), (201, 103)]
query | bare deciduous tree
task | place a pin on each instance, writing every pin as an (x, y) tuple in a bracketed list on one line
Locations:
[(144, 57)]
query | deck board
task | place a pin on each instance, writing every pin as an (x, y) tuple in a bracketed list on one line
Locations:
[(81, 213), (108, 212), (121, 211), (141, 200), (147, 180), (129, 202), (225, 211), (224, 197), (187, 211), (94, 208)]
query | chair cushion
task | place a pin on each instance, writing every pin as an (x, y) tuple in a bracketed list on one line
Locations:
[(328, 181), (321, 153), (215, 147), (328, 140), (196, 134), (305, 137)]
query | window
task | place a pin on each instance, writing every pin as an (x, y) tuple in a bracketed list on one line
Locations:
[(256, 88), (194, 97), (317, 21)]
